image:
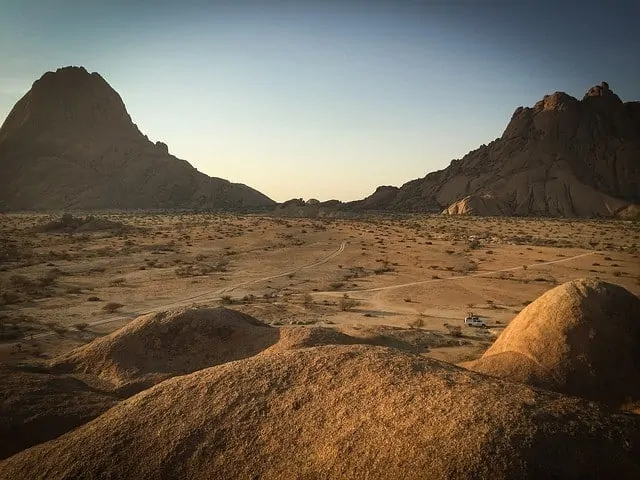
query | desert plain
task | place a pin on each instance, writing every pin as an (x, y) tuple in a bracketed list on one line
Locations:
[(406, 280)]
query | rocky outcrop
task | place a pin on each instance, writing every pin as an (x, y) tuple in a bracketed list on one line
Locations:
[(562, 157), (483, 205), (380, 198), (338, 412), (581, 338), (70, 143)]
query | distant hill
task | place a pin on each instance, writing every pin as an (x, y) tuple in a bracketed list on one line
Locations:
[(70, 143), (564, 157)]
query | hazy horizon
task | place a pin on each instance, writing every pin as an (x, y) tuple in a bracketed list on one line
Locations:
[(324, 100)]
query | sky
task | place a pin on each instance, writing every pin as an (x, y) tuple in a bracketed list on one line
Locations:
[(324, 99)]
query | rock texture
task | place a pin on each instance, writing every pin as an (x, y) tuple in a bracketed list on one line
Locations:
[(70, 143), (36, 406), (563, 157), (340, 412), (160, 345), (581, 338)]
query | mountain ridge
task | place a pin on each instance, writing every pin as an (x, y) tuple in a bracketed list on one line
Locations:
[(562, 157)]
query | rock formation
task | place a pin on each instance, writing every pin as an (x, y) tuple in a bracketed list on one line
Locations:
[(581, 338), (37, 406), (563, 157), (70, 143), (340, 412), (160, 345)]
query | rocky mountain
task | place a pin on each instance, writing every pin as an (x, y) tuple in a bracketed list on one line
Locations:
[(70, 143), (563, 157)]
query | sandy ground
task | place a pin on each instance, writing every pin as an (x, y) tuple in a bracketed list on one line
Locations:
[(413, 272)]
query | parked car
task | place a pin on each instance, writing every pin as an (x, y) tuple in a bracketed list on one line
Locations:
[(474, 321)]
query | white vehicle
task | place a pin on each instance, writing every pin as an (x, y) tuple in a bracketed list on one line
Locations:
[(474, 321)]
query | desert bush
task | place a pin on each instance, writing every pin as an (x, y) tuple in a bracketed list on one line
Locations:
[(417, 323), (57, 328), (70, 224), (307, 300), (386, 267), (454, 330), (469, 266), (49, 277), (195, 270), (112, 307), (21, 281), (226, 299), (336, 285), (473, 244), (347, 303), (250, 298), (9, 298), (81, 327), (93, 299)]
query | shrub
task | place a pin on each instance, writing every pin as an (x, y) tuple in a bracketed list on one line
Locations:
[(226, 299), (250, 298), (112, 307), (347, 303), (57, 328), (417, 323), (21, 281), (9, 298), (454, 330), (473, 244), (308, 299), (81, 327), (49, 277)]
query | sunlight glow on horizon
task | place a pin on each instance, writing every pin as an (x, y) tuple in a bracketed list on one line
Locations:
[(319, 100)]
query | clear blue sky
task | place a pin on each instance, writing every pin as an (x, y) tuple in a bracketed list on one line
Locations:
[(324, 99)]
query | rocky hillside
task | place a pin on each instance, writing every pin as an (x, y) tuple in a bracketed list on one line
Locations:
[(70, 143), (563, 157)]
